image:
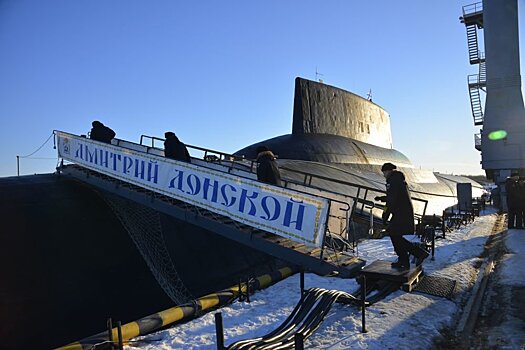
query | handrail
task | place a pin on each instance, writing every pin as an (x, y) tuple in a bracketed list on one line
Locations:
[(472, 8), (118, 142), (345, 206), (477, 139), (223, 156), (346, 183), (307, 176)]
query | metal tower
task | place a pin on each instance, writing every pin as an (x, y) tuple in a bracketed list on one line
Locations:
[(502, 138)]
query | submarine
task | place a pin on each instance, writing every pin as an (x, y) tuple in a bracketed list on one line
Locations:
[(344, 137), (338, 143)]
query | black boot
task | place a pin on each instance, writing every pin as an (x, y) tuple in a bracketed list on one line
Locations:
[(401, 263)]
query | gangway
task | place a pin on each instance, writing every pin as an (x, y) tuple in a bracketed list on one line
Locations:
[(286, 223)]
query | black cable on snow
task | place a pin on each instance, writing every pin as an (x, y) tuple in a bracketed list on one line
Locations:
[(306, 318)]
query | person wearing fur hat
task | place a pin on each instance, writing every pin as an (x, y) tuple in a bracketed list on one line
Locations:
[(399, 205), (267, 170), (174, 148), (101, 133)]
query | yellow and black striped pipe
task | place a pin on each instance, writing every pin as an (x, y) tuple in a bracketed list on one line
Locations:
[(182, 312)]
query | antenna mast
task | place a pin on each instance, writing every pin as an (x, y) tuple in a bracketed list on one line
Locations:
[(317, 74)]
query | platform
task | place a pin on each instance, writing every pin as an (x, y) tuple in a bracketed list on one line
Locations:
[(382, 270)]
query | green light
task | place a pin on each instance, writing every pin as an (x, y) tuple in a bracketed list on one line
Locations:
[(497, 135)]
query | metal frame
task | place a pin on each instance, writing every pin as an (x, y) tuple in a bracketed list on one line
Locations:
[(170, 207)]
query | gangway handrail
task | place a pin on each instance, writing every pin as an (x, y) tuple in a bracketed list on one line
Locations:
[(351, 184), (332, 220), (344, 206), (118, 143), (235, 160), (224, 156)]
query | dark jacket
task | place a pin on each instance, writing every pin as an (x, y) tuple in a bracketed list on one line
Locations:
[(512, 187), (175, 149), (399, 204), (267, 170), (102, 133)]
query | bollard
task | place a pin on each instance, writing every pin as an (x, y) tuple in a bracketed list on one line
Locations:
[(363, 304), (298, 341), (119, 332), (110, 331), (219, 331), (301, 281)]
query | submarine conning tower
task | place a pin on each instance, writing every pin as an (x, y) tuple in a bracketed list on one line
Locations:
[(325, 109), (332, 125), (502, 138)]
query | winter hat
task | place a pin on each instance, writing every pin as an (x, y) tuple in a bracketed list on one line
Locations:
[(388, 166), (260, 149)]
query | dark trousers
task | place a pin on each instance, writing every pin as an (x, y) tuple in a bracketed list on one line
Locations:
[(515, 217), (404, 248)]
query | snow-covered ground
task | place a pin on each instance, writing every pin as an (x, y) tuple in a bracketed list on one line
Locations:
[(400, 321)]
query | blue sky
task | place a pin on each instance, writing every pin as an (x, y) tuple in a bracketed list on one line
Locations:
[(220, 74)]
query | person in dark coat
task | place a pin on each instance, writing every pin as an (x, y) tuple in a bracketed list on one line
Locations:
[(101, 133), (267, 170), (512, 188), (399, 205), (174, 148), (520, 215)]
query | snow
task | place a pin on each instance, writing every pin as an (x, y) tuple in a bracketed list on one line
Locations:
[(391, 323)]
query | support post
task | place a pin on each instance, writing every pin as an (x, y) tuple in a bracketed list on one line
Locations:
[(219, 331), (298, 341), (301, 282), (241, 296), (17, 165), (110, 331), (119, 332), (363, 304), (433, 242), (444, 224)]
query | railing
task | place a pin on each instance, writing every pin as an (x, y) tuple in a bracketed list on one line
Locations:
[(338, 215), (473, 80), (349, 204), (472, 9), (477, 141), (360, 189), (359, 200), (222, 156)]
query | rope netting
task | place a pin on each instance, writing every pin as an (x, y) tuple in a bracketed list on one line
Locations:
[(144, 227)]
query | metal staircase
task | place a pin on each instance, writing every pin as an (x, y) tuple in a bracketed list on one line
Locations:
[(475, 85), (473, 20), (472, 41)]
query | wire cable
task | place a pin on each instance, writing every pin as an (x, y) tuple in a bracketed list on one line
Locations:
[(39, 148)]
